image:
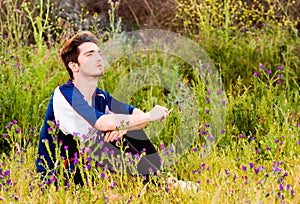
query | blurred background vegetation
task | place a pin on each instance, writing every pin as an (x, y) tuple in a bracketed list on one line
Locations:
[(239, 36)]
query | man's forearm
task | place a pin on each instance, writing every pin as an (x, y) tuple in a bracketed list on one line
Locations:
[(111, 122)]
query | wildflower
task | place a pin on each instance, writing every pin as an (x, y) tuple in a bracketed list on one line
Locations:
[(207, 99), (279, 67), (281, 187), (8, 182), (268, 71), (279, 76), (102, 175), (195, 149), (209, 92), (244, 168), (18, 130), (84, 137), (227, 172), (255, 74), (4, 135), (251, 165), (259, 169), (261, 66), (242, 136), (211, 138), (7, 173), (278, 82), (267, 87), (223, 132), (88, 166), (268, 148), (206, 125), (292, 192), (276, 141), (219, 91), (224, 102), (162, 146)]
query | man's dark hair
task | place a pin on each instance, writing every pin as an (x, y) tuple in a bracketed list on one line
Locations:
[(70, 51)]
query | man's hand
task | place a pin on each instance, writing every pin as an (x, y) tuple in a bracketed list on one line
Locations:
[(158, 113), (110, 136)]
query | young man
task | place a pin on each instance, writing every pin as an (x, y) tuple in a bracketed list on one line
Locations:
[(82, 110)]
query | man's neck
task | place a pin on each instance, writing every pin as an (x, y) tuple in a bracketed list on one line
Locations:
[(87, 88)]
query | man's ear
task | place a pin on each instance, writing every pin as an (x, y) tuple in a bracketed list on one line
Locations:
[(73, 66)]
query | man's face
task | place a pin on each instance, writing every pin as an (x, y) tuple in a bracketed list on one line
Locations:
[(90, 60)]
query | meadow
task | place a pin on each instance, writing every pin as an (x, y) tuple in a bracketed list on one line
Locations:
[(240, 132)]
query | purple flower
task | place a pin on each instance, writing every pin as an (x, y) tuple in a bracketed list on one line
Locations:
[(219, 92), (195, 149), (18, 130), (244, 168), (102, 175), (207, 99), (268, 71), (261, 66), (224, 102), (88, 166), (206, 125), (298, 142), (7, 173), (4, 135), (209, 92), (279, 76), (251, 165), (8, 182), (279, 67), (223, 132), (278, 82), (276, 141), (292, 192), (268, 148), (242, 136), (255, 74), (162, 146), (211, 138), (281, 187)]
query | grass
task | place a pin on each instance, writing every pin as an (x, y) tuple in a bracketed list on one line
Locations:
[(253, 158)]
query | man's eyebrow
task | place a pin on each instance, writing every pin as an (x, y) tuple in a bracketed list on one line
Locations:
[(92, 51)]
